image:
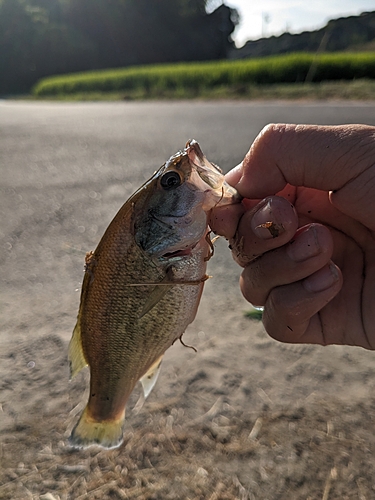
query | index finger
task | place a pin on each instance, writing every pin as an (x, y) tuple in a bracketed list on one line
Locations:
[(320, 157)]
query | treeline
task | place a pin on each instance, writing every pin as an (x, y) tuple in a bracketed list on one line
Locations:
[(345, 33), (46, 37)]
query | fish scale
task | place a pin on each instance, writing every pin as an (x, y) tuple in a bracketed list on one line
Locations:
[(142, 288)]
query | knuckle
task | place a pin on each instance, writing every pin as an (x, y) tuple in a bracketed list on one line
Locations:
[(254, 285), (272, 132), (286, 305), (277, 320)]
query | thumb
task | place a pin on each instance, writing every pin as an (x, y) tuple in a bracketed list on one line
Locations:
[(330, 158)]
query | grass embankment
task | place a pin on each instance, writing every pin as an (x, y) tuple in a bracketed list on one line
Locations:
[(294, 76)]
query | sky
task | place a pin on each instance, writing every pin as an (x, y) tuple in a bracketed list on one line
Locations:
[(273, 17)]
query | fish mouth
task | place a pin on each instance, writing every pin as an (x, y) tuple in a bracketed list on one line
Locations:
[(209, 174), (185, 252)]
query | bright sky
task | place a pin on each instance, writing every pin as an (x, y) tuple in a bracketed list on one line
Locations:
[(273, 17)]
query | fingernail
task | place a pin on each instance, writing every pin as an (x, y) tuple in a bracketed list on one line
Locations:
[(322, 279), (264, 223), (304, 245)]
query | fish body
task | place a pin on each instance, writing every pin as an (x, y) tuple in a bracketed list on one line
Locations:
[(142, 287)]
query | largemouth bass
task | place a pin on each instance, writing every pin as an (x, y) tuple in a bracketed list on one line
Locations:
[(142, 287)]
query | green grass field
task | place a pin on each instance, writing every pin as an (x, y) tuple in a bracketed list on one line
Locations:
[(298, 75)]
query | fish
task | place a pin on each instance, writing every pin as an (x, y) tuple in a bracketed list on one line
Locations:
[(141, 288)]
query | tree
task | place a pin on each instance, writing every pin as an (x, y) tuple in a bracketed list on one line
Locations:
[(44, 37), (150, 31), (35, 42)]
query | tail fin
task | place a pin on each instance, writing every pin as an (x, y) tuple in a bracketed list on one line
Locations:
[(88, 432)]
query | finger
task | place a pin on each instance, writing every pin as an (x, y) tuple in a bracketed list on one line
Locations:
[(270, 224), (234, 175), (224, 220), (320, 157), (329, 158), (290, 311), (310, 249)]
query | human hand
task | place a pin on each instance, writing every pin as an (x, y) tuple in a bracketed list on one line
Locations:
[(313, 269)]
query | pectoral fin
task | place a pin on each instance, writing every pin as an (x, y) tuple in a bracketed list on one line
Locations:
[(155, 296), (158, 292), (76, 357), (160, 289)]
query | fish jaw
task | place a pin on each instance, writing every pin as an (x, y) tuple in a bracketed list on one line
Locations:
[(209, 178)]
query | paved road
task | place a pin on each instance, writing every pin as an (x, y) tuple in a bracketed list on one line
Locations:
[(67, 168)]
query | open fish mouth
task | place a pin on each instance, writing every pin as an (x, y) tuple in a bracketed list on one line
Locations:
[(185, 252), (208, 174)]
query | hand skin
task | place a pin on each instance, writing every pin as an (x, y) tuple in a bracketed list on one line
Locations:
[(313, 270)]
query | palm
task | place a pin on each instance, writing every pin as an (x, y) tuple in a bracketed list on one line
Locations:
[(350, 317)]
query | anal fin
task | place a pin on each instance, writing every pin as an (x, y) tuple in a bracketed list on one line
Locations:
[(149, 379), (148, 382)]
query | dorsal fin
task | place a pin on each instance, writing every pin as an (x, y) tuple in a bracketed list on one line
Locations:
[(76, 357)]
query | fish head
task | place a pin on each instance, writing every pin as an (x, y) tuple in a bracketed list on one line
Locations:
[(170, 212)]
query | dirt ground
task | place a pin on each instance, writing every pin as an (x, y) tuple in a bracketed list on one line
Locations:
[(243, 418)]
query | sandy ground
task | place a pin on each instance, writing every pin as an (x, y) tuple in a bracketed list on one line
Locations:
[(243, 418)]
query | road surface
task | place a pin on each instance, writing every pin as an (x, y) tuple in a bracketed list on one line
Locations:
[(65, 170)]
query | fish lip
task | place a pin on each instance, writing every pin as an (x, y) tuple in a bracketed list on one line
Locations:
[(179, 254)]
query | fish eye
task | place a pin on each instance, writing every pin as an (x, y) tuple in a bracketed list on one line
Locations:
[(170, 180)]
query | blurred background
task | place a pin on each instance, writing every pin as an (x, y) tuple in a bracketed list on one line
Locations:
[(53, 37)]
